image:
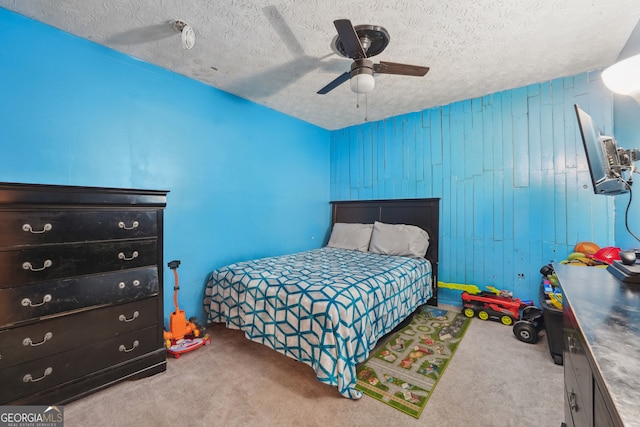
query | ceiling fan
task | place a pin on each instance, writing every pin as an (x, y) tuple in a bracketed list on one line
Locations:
[(360, 43)]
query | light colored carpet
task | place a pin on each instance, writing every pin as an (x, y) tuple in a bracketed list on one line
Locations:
[(493, 380)]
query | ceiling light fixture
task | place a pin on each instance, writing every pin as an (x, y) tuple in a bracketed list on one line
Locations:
[(361, 78), (624, 77), (187, 34)]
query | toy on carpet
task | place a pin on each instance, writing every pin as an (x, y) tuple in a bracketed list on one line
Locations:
[(183, 336), (495, 304), (551, 286)]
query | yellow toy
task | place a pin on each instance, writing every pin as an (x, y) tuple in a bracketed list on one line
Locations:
[(555, 299), (472, 289)]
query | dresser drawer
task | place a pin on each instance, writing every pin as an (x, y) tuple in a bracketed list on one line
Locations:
[(45, 373), (46, 263), (23, 303), (576, 413), (19, 345), (574, 348), (30, 227)]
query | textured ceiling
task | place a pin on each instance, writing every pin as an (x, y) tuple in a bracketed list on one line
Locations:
[(278, 53)]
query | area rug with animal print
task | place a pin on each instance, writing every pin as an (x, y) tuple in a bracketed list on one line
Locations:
[(404, 371)]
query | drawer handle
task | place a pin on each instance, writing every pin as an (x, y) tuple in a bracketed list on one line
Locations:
[(134, 224), (122, 285), (573, 404), (29, 379), (28, 266), (123, 318), (27, 227), (27, 301), (127, 350), (28, 342), (134, 255)]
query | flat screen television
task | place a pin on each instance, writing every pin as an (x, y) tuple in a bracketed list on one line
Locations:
[(603, 157)]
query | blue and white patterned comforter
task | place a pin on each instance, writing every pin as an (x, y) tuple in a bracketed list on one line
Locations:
[(325, 307)]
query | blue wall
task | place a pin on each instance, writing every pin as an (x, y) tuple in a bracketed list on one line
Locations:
[(627, 133), (509, 168), (244, 180)]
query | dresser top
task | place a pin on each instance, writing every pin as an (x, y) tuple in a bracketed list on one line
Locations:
[(40, 194), (608, 313)]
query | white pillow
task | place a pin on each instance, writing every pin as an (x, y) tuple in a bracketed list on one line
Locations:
[(350, 236), (399, 239)]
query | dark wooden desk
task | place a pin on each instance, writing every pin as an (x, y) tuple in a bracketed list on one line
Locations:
[(601, 328)]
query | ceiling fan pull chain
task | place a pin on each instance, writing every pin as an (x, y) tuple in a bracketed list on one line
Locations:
[(366, 107)]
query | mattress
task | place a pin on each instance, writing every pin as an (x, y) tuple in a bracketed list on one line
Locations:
[(326, 307)]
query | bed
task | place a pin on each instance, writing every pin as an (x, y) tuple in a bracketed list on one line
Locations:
[(328, 307)]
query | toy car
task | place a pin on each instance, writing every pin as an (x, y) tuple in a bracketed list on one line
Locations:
[(493, 305), (531, 323), (502, 306)]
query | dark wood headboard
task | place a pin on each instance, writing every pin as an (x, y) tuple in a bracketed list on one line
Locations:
[(424, 213)]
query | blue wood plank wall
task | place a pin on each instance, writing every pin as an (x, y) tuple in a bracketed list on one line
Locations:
[(626, 112), (510, 170), (627, 133)]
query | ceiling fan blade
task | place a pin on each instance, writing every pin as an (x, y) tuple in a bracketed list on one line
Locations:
[(349, 39), (279, 24), (402, 69), (335, 83)]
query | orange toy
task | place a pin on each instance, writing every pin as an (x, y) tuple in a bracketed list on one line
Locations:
[(183, 335)]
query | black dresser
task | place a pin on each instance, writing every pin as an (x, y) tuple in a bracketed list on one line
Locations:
[(81, 302), (601, 328)]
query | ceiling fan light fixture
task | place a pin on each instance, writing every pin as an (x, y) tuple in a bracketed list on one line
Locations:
[(362, 83), (362, 80)]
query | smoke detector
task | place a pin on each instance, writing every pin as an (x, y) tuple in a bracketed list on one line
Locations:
[(186, 33)]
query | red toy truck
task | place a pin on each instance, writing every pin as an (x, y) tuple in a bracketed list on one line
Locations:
[(488, 305), (502, 306)]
